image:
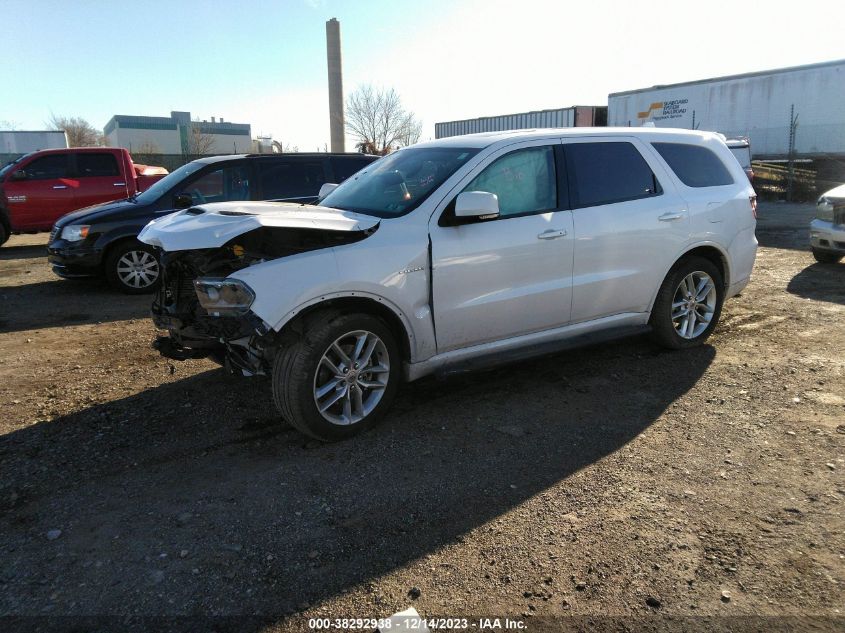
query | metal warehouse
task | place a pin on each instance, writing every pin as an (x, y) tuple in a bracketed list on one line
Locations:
[(575, 116), (797, 112)]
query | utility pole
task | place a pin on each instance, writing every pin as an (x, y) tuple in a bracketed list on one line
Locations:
[(790, 177)]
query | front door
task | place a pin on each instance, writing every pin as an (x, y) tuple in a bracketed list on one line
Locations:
[(46, 194), (495, 279)]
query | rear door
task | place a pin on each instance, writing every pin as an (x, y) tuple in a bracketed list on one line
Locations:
[(100, 178), (45, 195), (296, 179), (630, 223)]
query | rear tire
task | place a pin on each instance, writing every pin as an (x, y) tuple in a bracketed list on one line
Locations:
[(4, 234), (133, 268), (826, 257), (339, 378), (688, 304)]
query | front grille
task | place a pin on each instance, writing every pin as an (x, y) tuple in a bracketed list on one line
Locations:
[(839, 215), (54, 233)]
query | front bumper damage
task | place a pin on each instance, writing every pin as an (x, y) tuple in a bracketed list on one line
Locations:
[(243, 344), (217, 240)]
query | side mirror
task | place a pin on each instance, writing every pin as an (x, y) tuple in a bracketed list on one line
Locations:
[(477, 204), (20, 174), (326, 189), (183, 201)]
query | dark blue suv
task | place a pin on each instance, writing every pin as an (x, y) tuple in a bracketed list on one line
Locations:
[(102, 240)]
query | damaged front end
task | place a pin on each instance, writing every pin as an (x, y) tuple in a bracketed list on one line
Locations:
[(207, 314), (233, 336)]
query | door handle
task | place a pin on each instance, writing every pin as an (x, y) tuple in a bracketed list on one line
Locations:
[(551, 234), (669, 217), (59, 186), (120, 184)]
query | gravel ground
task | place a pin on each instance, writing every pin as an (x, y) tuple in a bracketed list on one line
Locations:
[(619, 481)]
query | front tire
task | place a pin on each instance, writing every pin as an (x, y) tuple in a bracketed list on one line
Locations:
[(133, 268), (826, 257), (339, 378), (688, 304)]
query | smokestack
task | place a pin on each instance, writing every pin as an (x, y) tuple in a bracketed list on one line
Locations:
[(336, 122)]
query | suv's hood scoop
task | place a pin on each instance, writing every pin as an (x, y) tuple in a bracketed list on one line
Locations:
[(212, 225)]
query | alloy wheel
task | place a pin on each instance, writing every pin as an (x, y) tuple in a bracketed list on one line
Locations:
[(351, 377), (693, 304), (137, 269)]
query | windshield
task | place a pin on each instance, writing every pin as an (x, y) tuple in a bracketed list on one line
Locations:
[(398, 183), (11, 164), (160, 187)]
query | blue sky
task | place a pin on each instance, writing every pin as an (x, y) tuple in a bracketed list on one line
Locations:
[(264, 62)]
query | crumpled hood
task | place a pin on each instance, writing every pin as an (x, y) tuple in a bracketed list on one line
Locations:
[(212, 225)]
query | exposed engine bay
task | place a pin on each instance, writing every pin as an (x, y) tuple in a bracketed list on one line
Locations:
[(242, 343)]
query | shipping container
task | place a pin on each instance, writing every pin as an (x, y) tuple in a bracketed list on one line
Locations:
[(803, 106), (16, 142), (576, 116)]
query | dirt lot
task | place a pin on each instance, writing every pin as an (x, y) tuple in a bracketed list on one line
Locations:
[(618, 480)]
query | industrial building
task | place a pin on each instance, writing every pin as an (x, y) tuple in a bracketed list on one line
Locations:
[(796, 112), (575, 116), (177, 134), (17, 142)]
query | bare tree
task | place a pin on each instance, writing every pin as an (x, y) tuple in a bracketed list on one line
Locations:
[(8, 125), (79, 132), (199, 142), (376, 118), (411, 131), (148, 147)]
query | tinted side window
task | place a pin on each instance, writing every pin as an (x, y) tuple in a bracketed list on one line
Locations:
[(93, 165), (290, 179), (525, 181), (345, 166), (220, 185), (696, 166), (48, 167), (602, 173)]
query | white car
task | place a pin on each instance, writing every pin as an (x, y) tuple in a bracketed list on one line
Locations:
[(827, 230), (458, 253)]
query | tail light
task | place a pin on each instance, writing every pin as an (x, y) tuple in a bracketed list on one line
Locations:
[(753, 201)]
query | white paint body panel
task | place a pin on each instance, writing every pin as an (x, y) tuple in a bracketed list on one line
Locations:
[(494, 286)]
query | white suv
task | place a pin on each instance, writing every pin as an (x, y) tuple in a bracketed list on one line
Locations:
[(458, 253)]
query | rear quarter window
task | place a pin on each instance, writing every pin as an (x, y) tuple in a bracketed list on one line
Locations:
[(694, 165)]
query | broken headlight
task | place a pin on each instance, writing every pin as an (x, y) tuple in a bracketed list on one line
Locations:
[(223, 297)]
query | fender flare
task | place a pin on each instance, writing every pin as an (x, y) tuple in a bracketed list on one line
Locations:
[(356, 294), (686, 250)]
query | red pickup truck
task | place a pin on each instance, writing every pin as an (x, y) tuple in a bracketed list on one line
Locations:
[(38, 188)]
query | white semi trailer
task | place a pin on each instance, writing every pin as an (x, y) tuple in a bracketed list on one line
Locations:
[(801, 107)]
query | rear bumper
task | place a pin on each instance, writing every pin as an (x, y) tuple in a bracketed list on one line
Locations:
[(70, 260), (827, 236)]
